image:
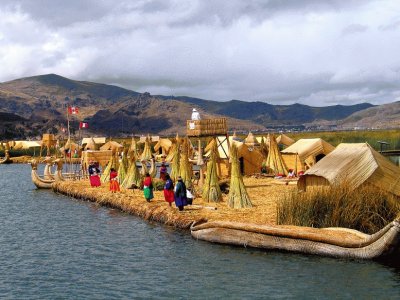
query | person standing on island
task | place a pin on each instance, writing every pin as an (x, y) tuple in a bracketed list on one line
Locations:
[(168, 189), (163, 171), (180, 194), (114, 185), (148, 188), (94, 173)]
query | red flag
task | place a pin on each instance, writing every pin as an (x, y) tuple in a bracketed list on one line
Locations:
[(73, 110), (83, 125)]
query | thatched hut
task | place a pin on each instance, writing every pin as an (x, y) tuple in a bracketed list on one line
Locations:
[(354, 165), (24, 145), (163, 146), (305, 153), (283, 139), (251, 140), (112, 145)]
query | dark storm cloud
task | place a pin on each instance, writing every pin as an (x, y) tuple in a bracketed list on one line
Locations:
[(311, 51)]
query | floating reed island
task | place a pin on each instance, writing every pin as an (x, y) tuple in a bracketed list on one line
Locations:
[(351, 189)]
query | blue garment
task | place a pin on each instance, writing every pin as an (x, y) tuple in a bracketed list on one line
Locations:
[(180, 194)]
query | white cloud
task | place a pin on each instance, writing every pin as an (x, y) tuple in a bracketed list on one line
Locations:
[(312, 52)]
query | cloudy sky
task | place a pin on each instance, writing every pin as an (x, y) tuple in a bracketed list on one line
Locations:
[(314, 52)]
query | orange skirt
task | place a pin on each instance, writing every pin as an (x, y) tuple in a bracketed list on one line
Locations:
[(114, 186)]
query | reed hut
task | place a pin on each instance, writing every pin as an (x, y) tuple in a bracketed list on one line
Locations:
[(100, 156), (25, 145), (93, 143), (274, 160), (283, 139), (163, 146), (353, 165), (112, 145), (305, 153), (238, 196)]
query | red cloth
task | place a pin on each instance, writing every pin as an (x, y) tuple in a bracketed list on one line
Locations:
[(147, 181), (95, 180), (169, 196), (114, 186), (113, 174)]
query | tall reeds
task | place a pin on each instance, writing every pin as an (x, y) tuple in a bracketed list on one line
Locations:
[(175, 161), (185, 167), (366, 209), (105, 176), (238, 197), (211, 189), (132, 176), (146, 155)]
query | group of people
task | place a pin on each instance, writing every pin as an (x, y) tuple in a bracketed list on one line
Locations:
[(172, 193)]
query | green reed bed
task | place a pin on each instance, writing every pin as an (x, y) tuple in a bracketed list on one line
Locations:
[(365, 209)]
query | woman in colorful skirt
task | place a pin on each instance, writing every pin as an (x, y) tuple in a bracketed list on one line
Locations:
[(169, 190), (148, 188), (94, 174), (114, 185)]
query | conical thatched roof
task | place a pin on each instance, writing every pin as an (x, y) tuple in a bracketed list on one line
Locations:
[(283, 139), (250, 140), (211, 189), (70, 145)]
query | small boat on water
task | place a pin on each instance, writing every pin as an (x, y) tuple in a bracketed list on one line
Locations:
[(334, 242), (6, 159), (41, 182)]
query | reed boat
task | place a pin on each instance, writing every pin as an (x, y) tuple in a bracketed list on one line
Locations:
[(41, 183), (6, 159), (333, 242)]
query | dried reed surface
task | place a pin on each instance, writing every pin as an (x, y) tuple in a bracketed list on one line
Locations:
[(263, 192), (365, 209)]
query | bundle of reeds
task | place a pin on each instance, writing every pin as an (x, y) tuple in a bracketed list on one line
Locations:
[(274, 160), (366, 209), (238, 197), (105, 176), (133, 148), (123, 167), (175, 162), (133, 176), (185, 167), (211, 189), (264, 148), (146, 155)]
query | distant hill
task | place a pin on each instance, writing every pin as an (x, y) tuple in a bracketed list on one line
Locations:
[(379, 117), (41, 101)]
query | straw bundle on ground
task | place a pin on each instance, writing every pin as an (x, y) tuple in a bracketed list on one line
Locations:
[(133, 175), (274, 160), (238, 197), (146, 155), (211, 189), (105, 176), (175, 162), (185, 167), (123, 167)]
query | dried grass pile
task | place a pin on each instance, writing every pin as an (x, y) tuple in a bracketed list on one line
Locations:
[(211, 188), (238, 197), (365, 209)]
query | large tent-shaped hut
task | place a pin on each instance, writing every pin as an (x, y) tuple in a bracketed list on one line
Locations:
[(354, 165), (283, 139), (305, 153), (112, 145), (163, 146)]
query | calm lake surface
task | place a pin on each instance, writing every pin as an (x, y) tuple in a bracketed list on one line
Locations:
[(55, 247)]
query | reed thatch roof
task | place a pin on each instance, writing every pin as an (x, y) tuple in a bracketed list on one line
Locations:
[(112, 145), (251, 140), (70, 145), (164, 144), (283, 139), (97, 140), (305, 148), (22, 145), (354, 164)]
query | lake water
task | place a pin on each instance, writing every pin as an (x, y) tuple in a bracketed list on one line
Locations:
[(55, 247)]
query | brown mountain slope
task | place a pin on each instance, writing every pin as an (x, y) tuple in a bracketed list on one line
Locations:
[(383, 116)]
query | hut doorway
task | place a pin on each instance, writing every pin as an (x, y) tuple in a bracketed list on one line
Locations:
[(319, 157), (241, 164)]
